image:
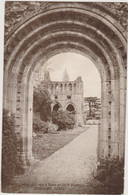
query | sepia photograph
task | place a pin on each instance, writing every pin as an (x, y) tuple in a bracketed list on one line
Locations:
[(64, 97)]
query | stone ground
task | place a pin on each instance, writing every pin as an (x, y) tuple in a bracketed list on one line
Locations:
[(67, 171)]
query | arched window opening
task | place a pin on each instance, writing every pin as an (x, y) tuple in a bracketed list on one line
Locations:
[(55, 96), (68, 96), (65, 87), (70, 108), (70, 87), (74, 87), (56, 87), (61, 88), (56, 107), (51, 88)]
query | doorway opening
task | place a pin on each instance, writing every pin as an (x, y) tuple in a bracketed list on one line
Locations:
[(65, 81)]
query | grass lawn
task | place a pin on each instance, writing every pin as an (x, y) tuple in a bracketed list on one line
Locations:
[(46, 144)]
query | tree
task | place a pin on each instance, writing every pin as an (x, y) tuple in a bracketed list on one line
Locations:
[(42, 102), (93, 104)]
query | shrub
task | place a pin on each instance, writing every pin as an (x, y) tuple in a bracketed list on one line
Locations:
[(63, 119), (52, 128), (38, 124), (10, 163), (110, 175), (45, 127)]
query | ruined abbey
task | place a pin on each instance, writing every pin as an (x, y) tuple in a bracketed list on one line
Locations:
[(66, 95)]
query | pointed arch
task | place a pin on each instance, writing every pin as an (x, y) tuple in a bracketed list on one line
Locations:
[(56, 106), (70, 108)]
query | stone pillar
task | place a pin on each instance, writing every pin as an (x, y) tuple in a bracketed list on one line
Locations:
[(24, 124), (103, 134), (10, 92), (5, 86), (30, 121), (122, 116), (115, 112)]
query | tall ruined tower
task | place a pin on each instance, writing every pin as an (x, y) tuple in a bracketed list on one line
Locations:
[(65, 76), (67, 95)]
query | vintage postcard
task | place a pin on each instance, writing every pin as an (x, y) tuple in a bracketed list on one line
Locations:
[(64, 97)]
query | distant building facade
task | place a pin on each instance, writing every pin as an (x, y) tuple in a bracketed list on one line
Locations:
[(66, 95)]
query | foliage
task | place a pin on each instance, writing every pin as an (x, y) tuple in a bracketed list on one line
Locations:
[(10, 163), (16, 12), (110, 176), (52, 128), (42, 102), (120, 9), (40, 125), (42, 112), (63, 119)]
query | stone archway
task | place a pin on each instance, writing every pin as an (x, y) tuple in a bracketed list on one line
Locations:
[(90, 29)]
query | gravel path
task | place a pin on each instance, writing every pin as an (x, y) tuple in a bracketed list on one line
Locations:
[(67, 170)]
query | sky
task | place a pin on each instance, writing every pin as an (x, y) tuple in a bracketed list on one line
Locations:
[(76, 65)]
